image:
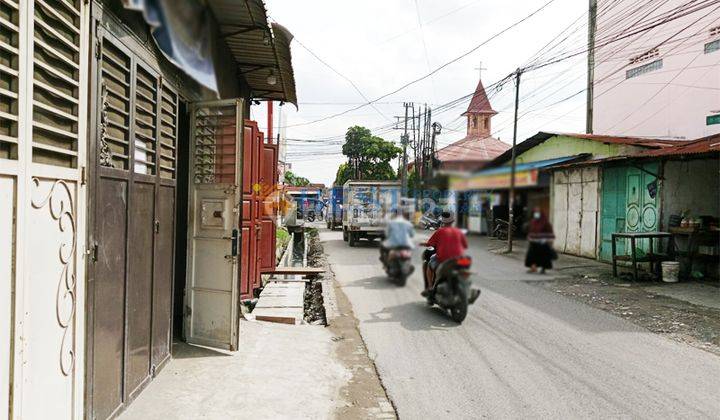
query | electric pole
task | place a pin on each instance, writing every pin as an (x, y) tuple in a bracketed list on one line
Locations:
[(592, 28), (404, 140), (511, 196)]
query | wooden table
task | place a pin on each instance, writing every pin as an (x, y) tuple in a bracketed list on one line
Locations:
[(650, 257), (695, 238)]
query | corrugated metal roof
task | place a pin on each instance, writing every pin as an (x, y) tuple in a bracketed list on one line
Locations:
[(542, 136), (704, 145), (472, 149), (258, 48)]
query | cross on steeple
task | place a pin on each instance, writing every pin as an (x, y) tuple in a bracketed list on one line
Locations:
[(480, 69)]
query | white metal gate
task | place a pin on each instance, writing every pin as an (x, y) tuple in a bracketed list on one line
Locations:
[(212, 292), (575, 211), (43, 62)]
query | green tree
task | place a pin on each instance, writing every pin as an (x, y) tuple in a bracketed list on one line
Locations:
[(295, 181), (344, 174), (368, 156)]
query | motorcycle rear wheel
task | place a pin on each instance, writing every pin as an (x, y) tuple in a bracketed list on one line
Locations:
[(401, 280), (459, 311)]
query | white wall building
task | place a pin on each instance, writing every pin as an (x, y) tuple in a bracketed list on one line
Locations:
[(664, 82)]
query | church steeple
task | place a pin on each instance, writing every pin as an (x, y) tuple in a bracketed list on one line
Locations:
[(479, 114)]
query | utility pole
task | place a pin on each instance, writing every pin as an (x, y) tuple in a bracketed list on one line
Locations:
[(416, 160), (592, 28), (404, 140), (511, 196)]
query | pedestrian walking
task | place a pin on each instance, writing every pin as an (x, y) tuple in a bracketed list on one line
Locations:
[(540, 252)]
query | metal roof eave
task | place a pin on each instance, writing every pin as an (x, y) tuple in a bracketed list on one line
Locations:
[(257, 48)]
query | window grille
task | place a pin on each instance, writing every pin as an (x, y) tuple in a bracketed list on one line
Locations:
[(56, 82), (9, 78), (168, 132), (645, 68), (645, 56), (115, 66), (215, 142), (146, 89)]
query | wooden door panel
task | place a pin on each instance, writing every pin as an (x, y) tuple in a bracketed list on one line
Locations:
[(613, 210), (139, 284), (249, 265), (267, 245), (267, 215), (246, 271), (248, 159)]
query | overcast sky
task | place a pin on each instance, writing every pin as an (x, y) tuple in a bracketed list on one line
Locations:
[(382, 44)]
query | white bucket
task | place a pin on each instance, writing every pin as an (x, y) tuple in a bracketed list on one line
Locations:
[(670, 271)]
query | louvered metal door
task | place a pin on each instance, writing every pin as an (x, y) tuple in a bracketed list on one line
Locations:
[(133, 204)]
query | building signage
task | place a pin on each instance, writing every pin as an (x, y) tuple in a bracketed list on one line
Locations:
[(495, 181), (713, 119)]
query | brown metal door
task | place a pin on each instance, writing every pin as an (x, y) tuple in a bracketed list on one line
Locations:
[(162, 301), (107, 272), (250, 209), (132, 200), (268, 216)]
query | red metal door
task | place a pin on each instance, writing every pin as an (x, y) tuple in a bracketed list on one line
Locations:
[(268, 216), (250, 209)]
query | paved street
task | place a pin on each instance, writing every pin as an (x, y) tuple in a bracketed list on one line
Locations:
[(522, 351)]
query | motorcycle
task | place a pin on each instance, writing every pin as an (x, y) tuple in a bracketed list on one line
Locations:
[(310, 216), (398, 264), (427, 221), (452, 291)]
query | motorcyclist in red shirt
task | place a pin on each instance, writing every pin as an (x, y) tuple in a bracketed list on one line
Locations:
[(449, 242)]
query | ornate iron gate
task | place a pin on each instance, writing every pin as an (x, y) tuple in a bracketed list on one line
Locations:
[(43, 50)]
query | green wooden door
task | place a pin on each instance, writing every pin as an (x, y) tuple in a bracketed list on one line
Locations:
[(614, 203), (642, 201), (629, 204)]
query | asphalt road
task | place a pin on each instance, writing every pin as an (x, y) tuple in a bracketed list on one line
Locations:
[(522, 351)]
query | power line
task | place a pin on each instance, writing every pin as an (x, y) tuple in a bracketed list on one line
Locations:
[(441, 67), (357, 89)]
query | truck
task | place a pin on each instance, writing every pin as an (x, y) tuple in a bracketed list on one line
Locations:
[(334, 210), (366, 208)]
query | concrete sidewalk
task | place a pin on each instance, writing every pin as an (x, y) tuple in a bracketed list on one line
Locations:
[(281, 371)]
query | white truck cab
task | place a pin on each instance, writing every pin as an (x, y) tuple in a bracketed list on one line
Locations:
[(366, 208)]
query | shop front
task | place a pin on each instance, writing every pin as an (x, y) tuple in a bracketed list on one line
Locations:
[(488, 193), (96, 172)]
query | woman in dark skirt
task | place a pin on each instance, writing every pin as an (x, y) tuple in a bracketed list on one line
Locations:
[(540, 237)]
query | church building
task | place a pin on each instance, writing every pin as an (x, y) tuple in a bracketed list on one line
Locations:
[(479, 146)]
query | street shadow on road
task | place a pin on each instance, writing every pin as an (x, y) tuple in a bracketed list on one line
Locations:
[(414, 316), (372, 283)]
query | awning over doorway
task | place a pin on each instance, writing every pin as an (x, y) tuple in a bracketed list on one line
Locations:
[(190, 33), (526, 175), (261, 51)]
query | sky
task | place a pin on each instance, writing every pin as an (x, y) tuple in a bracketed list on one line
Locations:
[(380, 45)]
